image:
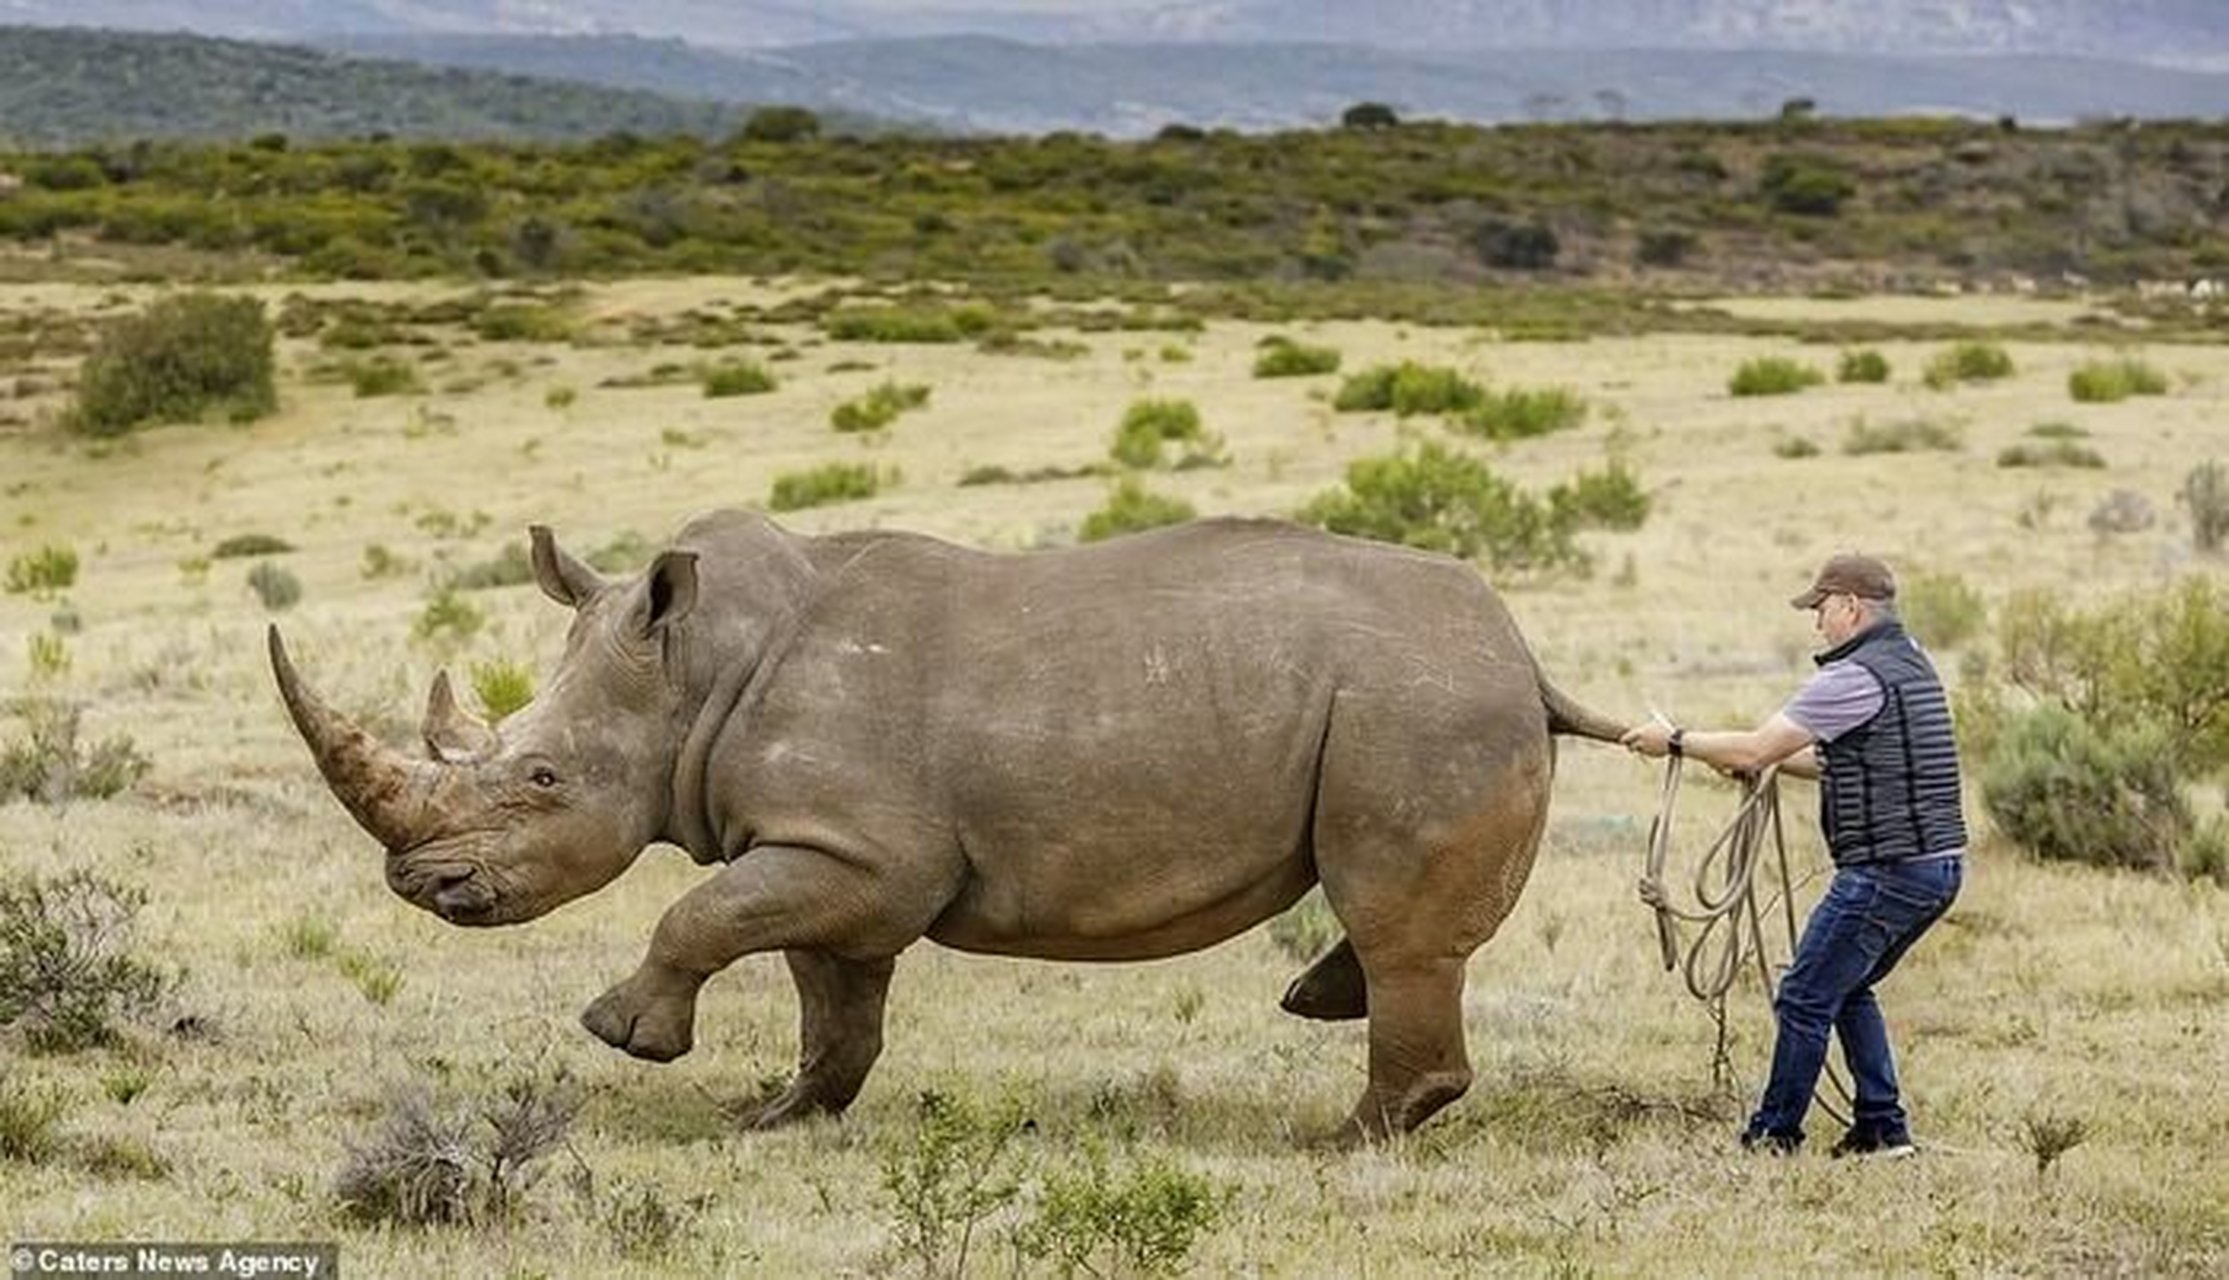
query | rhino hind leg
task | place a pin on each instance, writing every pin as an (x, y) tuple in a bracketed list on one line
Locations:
[(840, 1004), (1332, 989), (1417, 1060)]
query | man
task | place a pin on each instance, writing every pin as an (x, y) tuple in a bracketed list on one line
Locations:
[(1874, 727)]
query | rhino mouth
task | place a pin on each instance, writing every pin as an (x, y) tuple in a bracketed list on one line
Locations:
[(457, 894)]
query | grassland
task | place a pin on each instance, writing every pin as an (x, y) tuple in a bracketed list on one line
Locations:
[(1595, 1139)]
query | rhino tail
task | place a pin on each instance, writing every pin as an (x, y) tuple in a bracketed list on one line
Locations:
[(1567, 716)]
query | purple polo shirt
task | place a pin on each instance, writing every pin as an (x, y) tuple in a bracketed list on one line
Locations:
[(1839, 698)]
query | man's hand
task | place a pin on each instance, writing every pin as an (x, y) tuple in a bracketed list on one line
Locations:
[(1651, 739)]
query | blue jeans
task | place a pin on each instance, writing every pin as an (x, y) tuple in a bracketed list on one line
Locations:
[(1869, 918)]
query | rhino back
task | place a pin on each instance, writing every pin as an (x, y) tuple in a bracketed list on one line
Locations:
[(1115, 749)]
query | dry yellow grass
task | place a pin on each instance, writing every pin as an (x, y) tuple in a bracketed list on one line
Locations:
[(1593, 1140)]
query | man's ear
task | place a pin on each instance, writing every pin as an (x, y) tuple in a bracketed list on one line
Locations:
[(669, 592), (562, 578)]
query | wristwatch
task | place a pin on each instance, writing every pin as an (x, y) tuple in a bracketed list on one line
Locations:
[(1676, 744)]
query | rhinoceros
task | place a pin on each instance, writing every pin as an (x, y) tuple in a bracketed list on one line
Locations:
[(1121, 751)]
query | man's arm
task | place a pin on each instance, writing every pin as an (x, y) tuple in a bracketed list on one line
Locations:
[(1778, 741)]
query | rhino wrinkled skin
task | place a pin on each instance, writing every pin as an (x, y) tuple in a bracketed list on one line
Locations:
[(1117, 752)]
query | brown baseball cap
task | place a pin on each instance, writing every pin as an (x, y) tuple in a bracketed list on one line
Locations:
[(1860, 576)]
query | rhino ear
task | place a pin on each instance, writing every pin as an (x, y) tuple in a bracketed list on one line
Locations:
[(562, 578), (669, 592)]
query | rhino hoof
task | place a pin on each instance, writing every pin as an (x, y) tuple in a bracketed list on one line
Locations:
[(657, 1031)]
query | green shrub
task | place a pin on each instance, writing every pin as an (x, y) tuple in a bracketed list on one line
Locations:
[(448, 619), (42, 574), (503, 686), (737, 378), (642, 1224), (381, 376), (2058, 431), (510, 567), (2205, 490), (1407, 389), (1611, 498), (174, 362), (1967, 362), (1142, 1221), (1519, 414), (953, 1170), (1773, 376), (48, 657), (1807, 185), (69, 972), (1795, 447), (1530, 245), (824, 485), (30, 1120), (1912, 435), (2147, 660), (376, 977), (911, 324), (1443, 501), (1281, 357), (52, 766), (2067, 790), (274, 585), (2106, 381), (522, 322), (2053, 453), (1130, 508), (1862, 366), (2206, 855), (1942, 609), (309, 937), (241, 545), (878, 408), (1149, 425)]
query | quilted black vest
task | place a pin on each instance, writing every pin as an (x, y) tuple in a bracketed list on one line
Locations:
[(1890, 786)]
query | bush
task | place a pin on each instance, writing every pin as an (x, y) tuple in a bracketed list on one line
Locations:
[(1773, 376), (1665, 247), (1141, 1221), (2157, 660), (241, 545), (1130, 508), (1516, 246), (381, 376), (1611, 498), (952, 1172), (1282, 357), (1813, 186), (1913, 435), (1967, 362), (1442, 501), (911, 324), (177, 360), (878, 408), (738, 378), (1518, 414), (52, 767), (274, 585), (1942, 609), (1796, 447), (68, 969), (2107, 381), (2052, 453), (509, 567), (1148, 425), (42, 574), (1408, 389), (781, 124), (824, 485), (29, 1120), (448, 619), (503, 686), (2067, 790), (522, 322), (2205, 491), (434, 1160), (1862, 366)]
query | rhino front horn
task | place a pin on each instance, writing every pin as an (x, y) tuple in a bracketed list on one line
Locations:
[(385, 791)]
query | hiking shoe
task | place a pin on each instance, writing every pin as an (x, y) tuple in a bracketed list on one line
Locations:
[(1867, 1144), (1772, 1144)]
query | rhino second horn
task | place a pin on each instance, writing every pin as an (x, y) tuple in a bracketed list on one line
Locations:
[(452, 734), (384, 790)]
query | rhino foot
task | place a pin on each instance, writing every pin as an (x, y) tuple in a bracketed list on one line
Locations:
[(645, 1023), (797, 1103), (1332, 990)]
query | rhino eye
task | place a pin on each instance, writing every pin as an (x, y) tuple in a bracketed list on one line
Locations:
[(543, 777)]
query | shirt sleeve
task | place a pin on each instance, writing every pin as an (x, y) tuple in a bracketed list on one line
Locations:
[(1842, 696)]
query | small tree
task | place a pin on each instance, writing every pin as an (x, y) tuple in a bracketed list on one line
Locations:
[(1516, 246), (2206, 492), (1368, 115), (781, 124), (173, 362)]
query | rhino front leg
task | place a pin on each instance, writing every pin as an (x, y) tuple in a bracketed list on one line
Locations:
[(839, 1034), (779, 898)]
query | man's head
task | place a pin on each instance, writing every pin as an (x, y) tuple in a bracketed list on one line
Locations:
[(1849, 594)]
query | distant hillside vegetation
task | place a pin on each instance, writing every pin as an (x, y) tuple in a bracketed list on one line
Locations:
[(63, 87)]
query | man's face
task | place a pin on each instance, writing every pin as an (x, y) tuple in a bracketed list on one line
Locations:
[(1838, 617)]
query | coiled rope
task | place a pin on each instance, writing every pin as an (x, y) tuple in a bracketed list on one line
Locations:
[(1726, 909)]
